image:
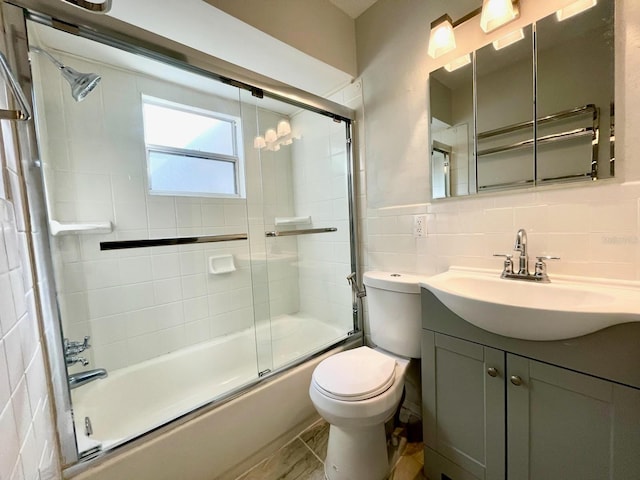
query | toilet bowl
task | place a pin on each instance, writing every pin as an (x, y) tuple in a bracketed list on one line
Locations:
[(357, 391)]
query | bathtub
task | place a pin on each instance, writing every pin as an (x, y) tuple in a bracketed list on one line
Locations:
[(142, 397)]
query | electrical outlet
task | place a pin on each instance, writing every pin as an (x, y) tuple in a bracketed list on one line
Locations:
[(419, 225)]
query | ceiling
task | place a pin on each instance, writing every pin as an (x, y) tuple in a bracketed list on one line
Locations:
[(353, 8)]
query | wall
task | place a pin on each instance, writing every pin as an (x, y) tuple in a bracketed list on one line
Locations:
[(594, 228), (303, 25), (28, 444)]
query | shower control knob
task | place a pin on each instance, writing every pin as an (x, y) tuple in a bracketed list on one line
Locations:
[(493, 372), (516, 380)]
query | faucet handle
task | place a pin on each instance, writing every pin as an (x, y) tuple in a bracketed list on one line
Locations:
[(508, 262), (73, 348), (541, 267), (72, 360)]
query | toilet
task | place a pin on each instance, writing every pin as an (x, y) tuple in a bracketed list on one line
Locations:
[(358, 390)]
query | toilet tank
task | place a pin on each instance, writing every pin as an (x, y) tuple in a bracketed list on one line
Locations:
[(393, 303)]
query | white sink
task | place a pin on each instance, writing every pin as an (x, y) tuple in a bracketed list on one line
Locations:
[(567, 307)]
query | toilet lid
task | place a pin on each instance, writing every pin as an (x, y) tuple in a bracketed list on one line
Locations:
[(355, 374)]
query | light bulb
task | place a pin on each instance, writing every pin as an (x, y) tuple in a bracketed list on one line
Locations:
[(458, 63), (259, 142), (270, 135), (441, 39), (574, 9), (496, 13), (509, 39), (284, 128)]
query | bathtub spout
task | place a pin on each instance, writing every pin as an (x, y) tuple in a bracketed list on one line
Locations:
[(81, 378)]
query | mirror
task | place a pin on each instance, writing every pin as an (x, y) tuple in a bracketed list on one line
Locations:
[(452, 132), (575, 72), (571, 64), (504, 113)]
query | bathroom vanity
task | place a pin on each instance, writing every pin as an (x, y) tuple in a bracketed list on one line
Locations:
[(497, 408)]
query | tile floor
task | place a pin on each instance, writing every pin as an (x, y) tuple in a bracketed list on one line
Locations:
[(302, 458)]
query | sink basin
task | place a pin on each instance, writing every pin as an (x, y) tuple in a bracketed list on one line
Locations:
[(567, 307)]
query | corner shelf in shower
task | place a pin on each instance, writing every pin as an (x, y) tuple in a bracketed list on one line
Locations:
[(74, 228)]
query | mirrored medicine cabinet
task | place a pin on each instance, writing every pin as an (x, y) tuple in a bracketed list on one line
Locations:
[(536, 111)]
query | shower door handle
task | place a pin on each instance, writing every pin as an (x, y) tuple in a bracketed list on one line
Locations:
[(306, 231)]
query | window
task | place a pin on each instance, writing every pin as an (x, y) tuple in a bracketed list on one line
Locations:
[(191, 151)]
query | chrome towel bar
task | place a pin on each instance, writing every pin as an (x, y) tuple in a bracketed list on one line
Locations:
[(163, 242), (307, 231)]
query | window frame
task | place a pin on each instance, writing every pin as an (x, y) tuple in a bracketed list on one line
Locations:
[(237, 159)]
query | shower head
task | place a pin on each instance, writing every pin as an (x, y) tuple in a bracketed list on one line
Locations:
[(81, 83)]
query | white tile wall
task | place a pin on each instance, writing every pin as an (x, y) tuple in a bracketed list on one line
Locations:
[(320, 190), (135, 304), (27, 434), (593, 227)]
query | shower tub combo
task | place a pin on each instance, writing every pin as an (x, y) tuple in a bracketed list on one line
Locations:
[(201, 234), (111, 411)]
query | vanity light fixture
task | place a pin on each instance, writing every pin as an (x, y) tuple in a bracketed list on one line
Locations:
[(509, 39), (458, 63), (275, 137), (493, 14), (496, 13), (574, 9), (441, 39)]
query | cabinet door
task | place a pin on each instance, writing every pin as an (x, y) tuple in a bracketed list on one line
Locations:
[(569, 426), (464, 404)]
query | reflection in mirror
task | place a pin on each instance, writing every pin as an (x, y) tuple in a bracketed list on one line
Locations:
[(451, 100), (575, 72), (504, 112), (572, 138)]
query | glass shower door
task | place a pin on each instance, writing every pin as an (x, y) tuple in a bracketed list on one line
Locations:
[(146, 199), (307, 249)]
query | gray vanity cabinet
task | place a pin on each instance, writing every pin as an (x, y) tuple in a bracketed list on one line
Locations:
[(566, 425), (464, 408), (492, 415)]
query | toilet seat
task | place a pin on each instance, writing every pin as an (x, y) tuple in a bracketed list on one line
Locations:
[(354, 375)]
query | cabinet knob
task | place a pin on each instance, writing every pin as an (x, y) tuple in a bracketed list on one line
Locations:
[(493, 372), (516, 380)]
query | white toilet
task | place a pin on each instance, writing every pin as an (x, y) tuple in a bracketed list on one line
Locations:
[(357, 391)]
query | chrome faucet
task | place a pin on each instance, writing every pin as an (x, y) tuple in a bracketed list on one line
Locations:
[(82, 378), (540, 274), (521, 246), (72, 349)]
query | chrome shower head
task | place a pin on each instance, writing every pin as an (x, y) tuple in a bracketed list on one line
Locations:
[(81, 83)]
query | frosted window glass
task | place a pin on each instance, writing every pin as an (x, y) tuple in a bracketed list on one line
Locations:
[(181, 129), (176, 173), (191, 151)]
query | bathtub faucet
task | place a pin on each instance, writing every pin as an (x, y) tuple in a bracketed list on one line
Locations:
[(72, 349), (81, 378)]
